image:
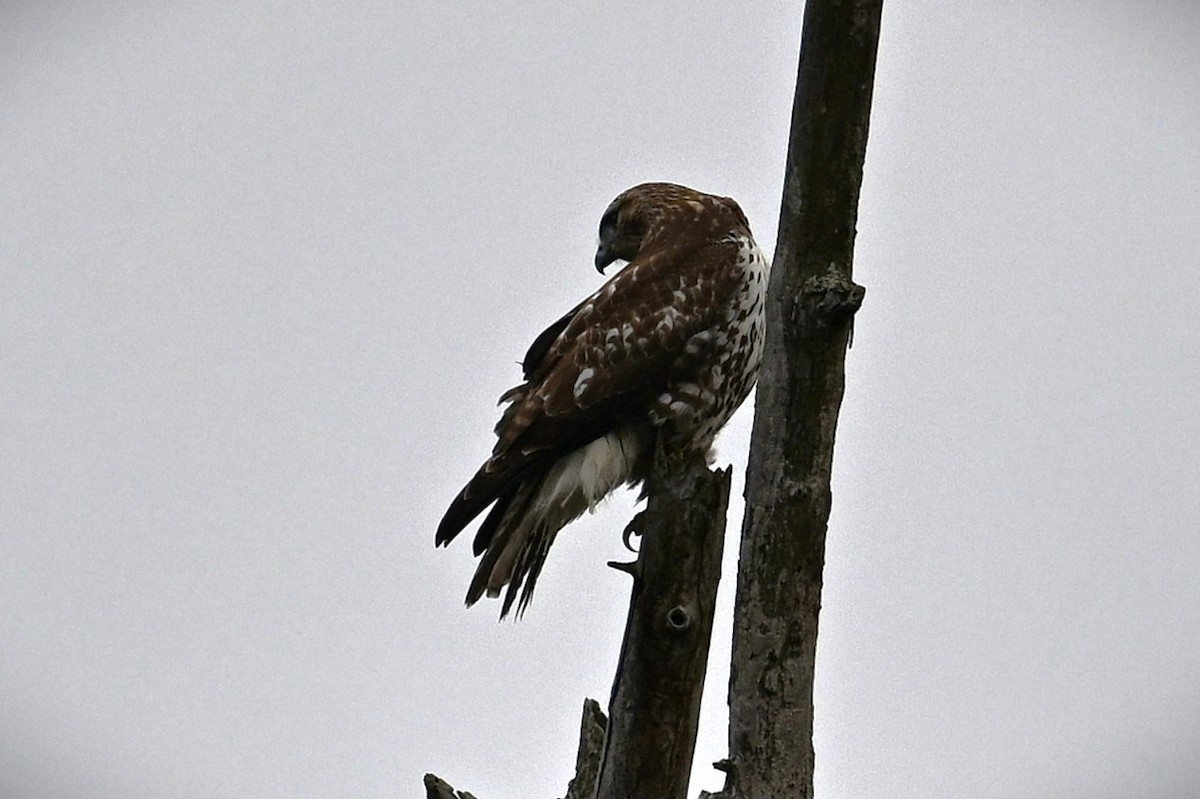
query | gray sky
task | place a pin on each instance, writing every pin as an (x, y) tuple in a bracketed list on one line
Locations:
[(265, 271)]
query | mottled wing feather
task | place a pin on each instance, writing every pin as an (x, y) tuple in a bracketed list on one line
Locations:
[(619, 347)]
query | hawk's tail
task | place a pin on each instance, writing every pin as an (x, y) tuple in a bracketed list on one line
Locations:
[(530, 510), (516, 539)]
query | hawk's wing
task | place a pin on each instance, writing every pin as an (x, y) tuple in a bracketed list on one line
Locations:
[(616, 354)]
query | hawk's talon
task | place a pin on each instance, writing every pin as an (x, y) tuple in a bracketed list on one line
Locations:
[(632, 568), (630, 531)]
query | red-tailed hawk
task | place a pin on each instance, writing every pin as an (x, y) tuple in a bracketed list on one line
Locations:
[(673, 342)]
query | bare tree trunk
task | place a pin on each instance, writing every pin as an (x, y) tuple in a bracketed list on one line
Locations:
[(654, 712), (810, 306)]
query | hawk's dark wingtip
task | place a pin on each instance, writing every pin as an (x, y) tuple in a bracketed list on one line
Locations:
[(482, 491), (445, 532), (458, 515)]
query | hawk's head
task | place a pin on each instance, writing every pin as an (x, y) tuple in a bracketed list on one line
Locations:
[(638, 216)]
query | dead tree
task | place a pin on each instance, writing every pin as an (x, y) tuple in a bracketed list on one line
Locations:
[(645, 750), (654, 712), (811, 302)]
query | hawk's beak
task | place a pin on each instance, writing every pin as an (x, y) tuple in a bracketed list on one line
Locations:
[(603, 258)]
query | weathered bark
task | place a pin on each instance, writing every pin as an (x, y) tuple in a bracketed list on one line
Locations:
[(591, 749), (655, 707), (437, 788), (810, 306)]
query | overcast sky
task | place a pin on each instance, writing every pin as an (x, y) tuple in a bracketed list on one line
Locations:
[(265, 270)]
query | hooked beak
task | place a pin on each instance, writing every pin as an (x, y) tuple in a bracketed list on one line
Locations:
[(603, 258)]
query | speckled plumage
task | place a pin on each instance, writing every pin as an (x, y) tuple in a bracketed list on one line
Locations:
[(673, 341)]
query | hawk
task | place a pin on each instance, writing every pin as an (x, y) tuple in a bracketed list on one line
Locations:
[(672, 343)]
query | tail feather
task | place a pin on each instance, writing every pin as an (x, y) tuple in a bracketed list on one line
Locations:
[(487, 530), (531, 508), (505, 541), (534, 557)]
